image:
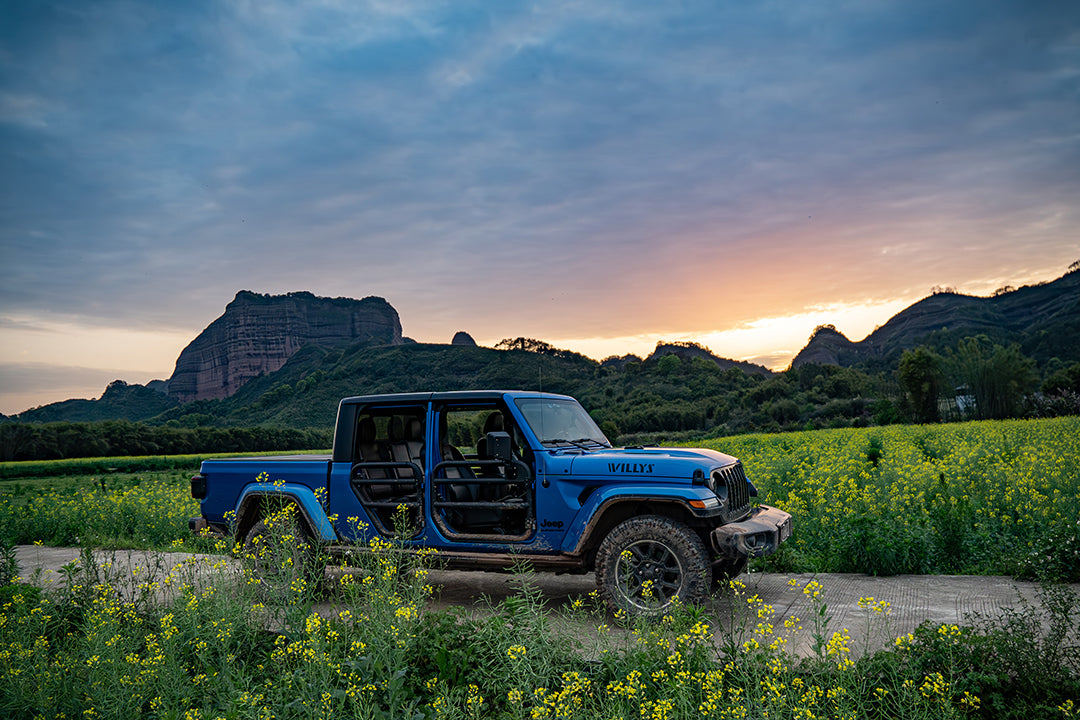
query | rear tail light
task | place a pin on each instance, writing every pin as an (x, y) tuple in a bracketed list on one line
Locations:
[(198, 487)]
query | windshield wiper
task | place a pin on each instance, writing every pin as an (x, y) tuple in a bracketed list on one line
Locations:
[(580, 442)]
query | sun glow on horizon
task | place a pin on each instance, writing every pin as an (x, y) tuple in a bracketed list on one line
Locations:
[(771, 341)]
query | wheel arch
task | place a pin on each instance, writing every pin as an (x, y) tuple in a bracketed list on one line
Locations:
[(256, 503), (617, 510)]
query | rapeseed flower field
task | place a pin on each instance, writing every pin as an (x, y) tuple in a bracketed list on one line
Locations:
[(992, 497), (139, 510), (205, 640), (216, 637)]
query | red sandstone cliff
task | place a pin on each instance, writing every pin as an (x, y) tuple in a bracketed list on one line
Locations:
[(258, 333)]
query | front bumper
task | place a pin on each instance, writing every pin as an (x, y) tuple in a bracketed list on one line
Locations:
[(756, 536)]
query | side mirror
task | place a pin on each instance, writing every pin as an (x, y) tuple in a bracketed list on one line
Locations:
[(498, 446)]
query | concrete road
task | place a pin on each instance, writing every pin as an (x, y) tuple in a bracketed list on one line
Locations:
[(913, 599)]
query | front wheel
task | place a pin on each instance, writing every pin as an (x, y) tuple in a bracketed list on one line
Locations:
[(646, 563)]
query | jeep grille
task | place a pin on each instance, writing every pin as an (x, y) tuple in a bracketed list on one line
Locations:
[(733, 479)]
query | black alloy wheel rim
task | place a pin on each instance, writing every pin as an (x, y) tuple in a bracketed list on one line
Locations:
[(649, 574)]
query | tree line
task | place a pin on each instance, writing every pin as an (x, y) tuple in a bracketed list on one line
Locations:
[(979, 379), (60, 440), (666, 397)]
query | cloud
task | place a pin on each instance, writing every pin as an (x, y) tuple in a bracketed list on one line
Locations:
[(23, 326), (31, 376), (554, 170)]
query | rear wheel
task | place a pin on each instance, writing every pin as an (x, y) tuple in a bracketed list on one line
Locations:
[(646, 562), (280, 554)]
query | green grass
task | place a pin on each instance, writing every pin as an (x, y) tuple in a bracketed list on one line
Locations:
[(131, 510), (23, 490), (104, 465)]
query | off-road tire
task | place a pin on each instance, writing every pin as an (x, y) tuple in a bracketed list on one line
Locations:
[(660, 550), (266, 565)]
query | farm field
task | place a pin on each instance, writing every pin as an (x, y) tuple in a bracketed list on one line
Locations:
[(207, 639), (962, 498), (116, 510), (117, 502), (993, 497)]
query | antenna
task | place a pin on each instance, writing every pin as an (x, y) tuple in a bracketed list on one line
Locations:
[(540, 373)]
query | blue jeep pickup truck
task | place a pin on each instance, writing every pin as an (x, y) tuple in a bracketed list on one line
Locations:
[(490, 478)]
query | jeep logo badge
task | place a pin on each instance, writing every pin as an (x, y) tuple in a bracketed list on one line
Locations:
[(551, 525)]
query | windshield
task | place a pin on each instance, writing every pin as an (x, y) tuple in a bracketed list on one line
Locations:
[(558, 422)]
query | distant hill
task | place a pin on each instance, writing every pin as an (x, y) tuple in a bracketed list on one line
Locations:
[(287, 361), (1043, 319), (645, 396), (305, 391), (686, 350), (120, 401), (258, 333)]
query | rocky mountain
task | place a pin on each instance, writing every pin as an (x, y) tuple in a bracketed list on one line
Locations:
[(287, 359), (1043, 319), (258, 333)]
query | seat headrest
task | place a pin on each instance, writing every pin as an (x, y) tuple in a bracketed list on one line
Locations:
[(396, 429), (366, 430), (494, 422), (414, 430)]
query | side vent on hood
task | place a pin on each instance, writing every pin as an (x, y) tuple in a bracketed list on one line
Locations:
[(585, 494)]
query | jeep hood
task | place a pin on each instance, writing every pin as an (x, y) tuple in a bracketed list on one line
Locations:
[(644, 463)]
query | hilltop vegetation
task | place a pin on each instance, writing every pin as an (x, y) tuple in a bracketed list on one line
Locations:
[(665, 397), (1042, 319), (120, 401), (948, 357)]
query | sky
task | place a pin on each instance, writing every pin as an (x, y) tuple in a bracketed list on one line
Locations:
[(598, 175)]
